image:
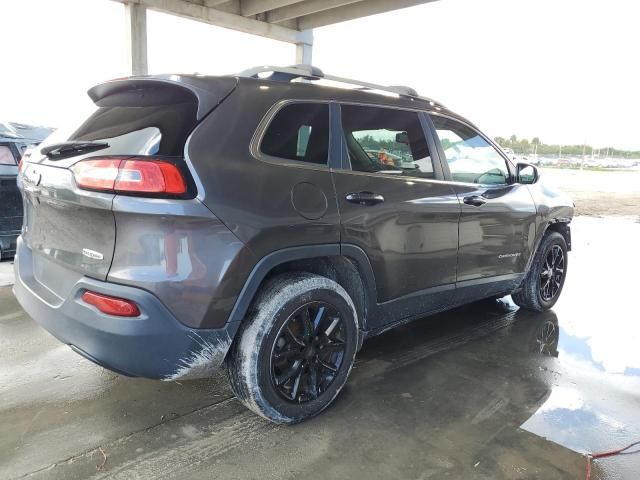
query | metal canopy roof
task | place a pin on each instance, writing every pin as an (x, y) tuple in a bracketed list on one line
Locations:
[(285, 20)]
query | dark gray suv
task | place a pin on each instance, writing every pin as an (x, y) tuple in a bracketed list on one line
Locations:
[(267, 223)]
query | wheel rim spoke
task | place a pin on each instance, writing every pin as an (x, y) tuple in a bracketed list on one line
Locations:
[(331, 368), (308, 326), (294, 337), (333, 347), (295, 354), (289, 373), (316, 321), (313, 381), (296, 386)]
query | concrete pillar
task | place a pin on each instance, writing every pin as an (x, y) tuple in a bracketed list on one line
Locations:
[(304, 53), (304, 49), (136, 30)]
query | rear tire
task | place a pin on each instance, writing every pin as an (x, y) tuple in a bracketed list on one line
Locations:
[(543, 284), (294, 352)]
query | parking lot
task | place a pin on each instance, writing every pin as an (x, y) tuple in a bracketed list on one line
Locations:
[(485, 391), (599, 193)]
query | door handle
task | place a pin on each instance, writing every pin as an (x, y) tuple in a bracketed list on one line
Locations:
[(364, 198), (475, 200)]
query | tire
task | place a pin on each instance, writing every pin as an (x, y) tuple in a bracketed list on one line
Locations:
[(532, 294), (275, 340)]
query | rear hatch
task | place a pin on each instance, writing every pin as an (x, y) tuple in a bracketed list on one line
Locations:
[(70, 229)]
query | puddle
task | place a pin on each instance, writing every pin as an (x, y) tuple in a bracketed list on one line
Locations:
[(594, 401)]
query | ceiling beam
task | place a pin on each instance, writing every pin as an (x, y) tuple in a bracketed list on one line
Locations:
[(201, 13), (232, 6), (250, 8), (355, 10), (304, 8)]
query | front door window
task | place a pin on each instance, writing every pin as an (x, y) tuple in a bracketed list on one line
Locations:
[(470, 157)]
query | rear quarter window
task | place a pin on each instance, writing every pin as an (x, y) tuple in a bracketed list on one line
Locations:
[(300, 132)]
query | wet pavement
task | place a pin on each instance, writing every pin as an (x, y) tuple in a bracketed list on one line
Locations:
[(6, 273), (486, 391)]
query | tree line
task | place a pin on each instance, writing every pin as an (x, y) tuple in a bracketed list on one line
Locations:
[(524, 146)]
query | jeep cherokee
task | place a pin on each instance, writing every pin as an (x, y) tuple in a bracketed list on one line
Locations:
[(267, 223)]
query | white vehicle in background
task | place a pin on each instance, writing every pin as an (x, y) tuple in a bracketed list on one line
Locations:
[(547, 161), (510, 153)]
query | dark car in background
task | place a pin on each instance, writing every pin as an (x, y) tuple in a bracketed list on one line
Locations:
[(195, 222), (15, 139)]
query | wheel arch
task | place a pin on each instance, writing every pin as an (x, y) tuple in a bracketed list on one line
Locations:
[(560, 226), (563, 228), (347, 265)]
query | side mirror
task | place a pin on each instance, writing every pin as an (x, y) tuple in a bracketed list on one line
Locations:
[(402, 137), (526, 173)]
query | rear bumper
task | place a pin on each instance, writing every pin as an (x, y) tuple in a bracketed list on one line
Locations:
[(153, 345)]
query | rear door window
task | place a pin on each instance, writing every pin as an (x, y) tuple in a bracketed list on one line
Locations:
[(386, 140), (299, 131)]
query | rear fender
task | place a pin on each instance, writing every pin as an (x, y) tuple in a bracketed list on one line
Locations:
[(335, 253)]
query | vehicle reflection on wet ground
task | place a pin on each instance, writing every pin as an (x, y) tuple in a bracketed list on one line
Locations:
[(486, 391), (595, 385)]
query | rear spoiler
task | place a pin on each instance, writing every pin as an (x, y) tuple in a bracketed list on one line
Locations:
[(208, 91)]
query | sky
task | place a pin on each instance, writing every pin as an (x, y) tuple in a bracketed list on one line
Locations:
[(565, 71)]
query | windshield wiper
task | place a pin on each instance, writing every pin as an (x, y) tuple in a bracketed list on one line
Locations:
[(58, 151)]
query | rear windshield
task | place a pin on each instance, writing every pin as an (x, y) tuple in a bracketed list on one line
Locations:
[(6, 156), (135, 125), (149, 130)]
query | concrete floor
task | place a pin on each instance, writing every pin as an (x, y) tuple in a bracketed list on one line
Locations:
[(483, 392)]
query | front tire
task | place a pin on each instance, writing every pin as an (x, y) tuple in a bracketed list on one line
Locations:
[(293, 354), (543, 284)]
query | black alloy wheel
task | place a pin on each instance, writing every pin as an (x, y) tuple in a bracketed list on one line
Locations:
[(552, 273), (308, 352), (294, 352)]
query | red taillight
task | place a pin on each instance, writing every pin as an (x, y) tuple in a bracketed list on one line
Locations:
[(24, 157), (150, 177), (97, 174), (111, 305), (130, 176)]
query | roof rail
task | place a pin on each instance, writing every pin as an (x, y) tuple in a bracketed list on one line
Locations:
[(308, 72)]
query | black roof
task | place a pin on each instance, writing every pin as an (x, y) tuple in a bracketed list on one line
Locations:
[(315, 91), (207, 89)]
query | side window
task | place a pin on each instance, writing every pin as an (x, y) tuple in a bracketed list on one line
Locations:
[(299, 131), (386, 140), (6, 157), (470, 157)]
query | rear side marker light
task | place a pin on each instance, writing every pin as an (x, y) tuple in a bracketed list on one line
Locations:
[(129, 176), (22, 162), (111, 305)]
